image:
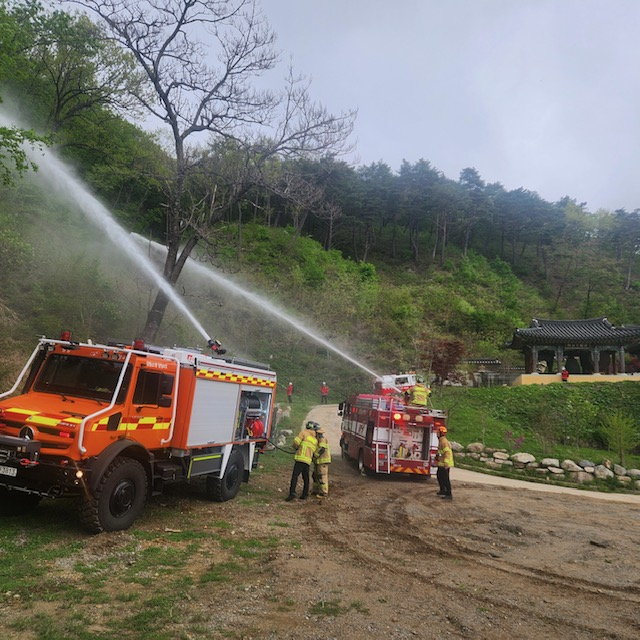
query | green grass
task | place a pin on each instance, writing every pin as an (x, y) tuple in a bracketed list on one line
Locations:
[(557, 421)]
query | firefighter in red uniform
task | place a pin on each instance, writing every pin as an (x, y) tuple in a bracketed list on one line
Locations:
[(324, 393), (255, 427), (306, 444), (289, 392)]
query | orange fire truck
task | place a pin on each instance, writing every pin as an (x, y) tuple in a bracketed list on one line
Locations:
[(385, 435), (113, 424)]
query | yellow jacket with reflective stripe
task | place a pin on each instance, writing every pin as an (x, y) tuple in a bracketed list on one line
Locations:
[(445, 453), (418, 395), (323, 455), (307, 444)]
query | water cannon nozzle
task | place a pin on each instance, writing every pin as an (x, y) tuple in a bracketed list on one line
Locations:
[(216, 346)]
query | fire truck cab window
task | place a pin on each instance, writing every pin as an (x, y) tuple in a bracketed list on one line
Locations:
[(150, 387), (81, 377)]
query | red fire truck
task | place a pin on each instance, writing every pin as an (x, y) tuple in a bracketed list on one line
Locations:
[(113, 424), (385, 435)]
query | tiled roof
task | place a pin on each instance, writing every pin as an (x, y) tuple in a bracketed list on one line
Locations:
[(595, 331)]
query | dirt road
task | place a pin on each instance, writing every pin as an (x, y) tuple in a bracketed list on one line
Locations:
[(381, 558), (394, 561)]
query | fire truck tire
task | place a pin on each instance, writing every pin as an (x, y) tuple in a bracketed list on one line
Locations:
[(227, 487), (17, 503), (118, 499), (361, 467)]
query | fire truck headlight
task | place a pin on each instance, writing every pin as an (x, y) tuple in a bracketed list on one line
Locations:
[(79, 474)]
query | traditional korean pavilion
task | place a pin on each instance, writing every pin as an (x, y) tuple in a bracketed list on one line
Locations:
[(584, 347)]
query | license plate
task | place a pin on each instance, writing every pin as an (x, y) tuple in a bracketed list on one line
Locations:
[(8, 471)]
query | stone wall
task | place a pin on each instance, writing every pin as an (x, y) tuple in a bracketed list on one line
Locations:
[(581, 472)]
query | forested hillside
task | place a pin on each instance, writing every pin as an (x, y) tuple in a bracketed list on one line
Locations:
[(379, 263)]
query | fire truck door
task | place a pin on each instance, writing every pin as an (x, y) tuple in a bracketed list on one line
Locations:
[(152, 402)]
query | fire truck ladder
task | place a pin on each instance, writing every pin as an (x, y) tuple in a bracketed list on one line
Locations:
[(386, 449)]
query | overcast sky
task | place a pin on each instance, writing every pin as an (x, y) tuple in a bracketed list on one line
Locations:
[(540, 94)]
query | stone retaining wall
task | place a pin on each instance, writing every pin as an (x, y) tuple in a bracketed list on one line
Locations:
[(580, 472)]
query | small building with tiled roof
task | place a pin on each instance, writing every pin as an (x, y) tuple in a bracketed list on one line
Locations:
[(584, 347)]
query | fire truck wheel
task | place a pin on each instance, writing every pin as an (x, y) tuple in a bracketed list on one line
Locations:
[(118, 499), (17, 503), (227, 487), (361, 468)]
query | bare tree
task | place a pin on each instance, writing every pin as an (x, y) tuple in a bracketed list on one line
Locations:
[(201, 59)]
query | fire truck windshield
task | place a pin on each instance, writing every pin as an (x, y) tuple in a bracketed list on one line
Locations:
[(71, 375)]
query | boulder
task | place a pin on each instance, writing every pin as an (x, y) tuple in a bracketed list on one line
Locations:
[(524, 458), (475, 447), (581, 477), (570, 465), (556, 471), (500, 455), (549, 462), (456, 447), (634, 473), (619, 470), (586, 463), (602, 472)]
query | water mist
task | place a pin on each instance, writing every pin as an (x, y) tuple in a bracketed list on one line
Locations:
[(258, 301), (60, 177)]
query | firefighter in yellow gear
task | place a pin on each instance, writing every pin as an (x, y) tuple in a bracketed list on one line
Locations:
[(418, 395), (306, 444), (321, 461), (445, 463)]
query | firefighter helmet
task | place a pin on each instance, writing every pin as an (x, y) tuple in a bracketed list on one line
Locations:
[(313, 425), (442, 430)]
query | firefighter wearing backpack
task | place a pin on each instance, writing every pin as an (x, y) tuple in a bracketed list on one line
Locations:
[(321, 461), (419, 393), (306, 444)]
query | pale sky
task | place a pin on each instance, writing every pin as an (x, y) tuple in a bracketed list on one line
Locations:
[(540, 94)]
